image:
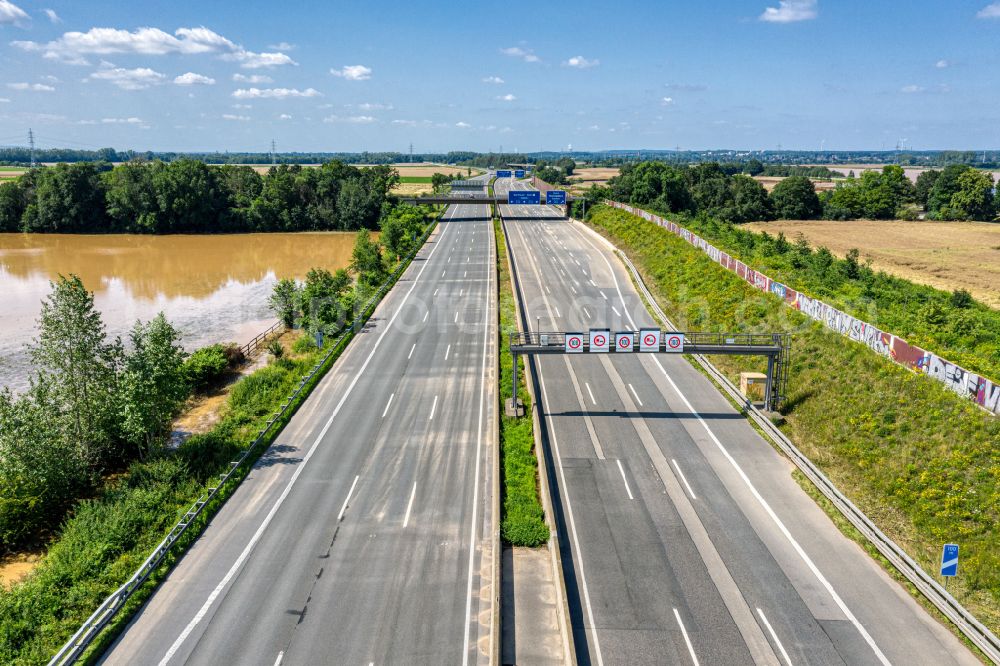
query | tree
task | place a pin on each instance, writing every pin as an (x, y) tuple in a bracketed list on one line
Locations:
[(67, 198), (924, 186), (974, 198), (12, 206), (794, 198), (74, 358), (152, 384), (131, 197), (439, 181), (366, 260), (323, 298), (749, 201), (284, 301), (753, 167), (945, 187)]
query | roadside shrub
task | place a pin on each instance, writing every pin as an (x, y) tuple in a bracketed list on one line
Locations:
[(275, 349), (206, 366), (304, 344)]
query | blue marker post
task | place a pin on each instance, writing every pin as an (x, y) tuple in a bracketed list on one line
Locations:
[(949, 561)]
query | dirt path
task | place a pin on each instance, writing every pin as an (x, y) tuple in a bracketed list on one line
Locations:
[(945, 255)]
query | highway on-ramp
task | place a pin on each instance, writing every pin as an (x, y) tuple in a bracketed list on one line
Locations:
[(683, 535), (364, 534)]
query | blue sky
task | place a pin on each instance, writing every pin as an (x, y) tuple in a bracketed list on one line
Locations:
[(347, 76)]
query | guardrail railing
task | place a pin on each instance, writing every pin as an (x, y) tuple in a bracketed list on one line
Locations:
[(91, 628), (974, 630)]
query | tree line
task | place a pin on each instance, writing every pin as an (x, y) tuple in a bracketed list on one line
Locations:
[(958, 192), (189, 196)]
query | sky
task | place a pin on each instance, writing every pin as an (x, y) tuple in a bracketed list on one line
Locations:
[(353, 76)]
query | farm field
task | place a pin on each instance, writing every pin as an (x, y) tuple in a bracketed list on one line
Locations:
[(412, 189), (770, 181), (945, 255), (582, 179)]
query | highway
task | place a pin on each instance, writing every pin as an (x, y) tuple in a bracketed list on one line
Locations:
[(364, 535), (683, 535)]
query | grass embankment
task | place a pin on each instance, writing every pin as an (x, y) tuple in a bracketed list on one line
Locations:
[(951, 325), (415, 179), (523, 522), (106, 538), (923, 463)]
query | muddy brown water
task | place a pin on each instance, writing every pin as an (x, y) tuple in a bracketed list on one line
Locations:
[(212, 288)]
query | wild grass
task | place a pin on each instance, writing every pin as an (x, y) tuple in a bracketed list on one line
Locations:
[(523, 521), (922, 462)]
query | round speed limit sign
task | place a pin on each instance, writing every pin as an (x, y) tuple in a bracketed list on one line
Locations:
[(675, 342)]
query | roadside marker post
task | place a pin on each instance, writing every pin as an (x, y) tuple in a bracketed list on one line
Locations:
[(574, 343), (600, 341), (949, 561), (624, 342)]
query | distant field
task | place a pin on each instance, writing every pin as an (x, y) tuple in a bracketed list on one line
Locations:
[(415, 179), (945, 255), (582, 179), (412, 189), (770, 181)]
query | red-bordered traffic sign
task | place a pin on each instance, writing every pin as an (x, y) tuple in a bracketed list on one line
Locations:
[(600, 340), (675, 342), (574, 343), (624, 342), (649, 340)]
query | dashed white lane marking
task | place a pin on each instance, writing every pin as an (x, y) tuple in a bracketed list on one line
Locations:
[(386, 410), (347, 500), (433, 408), (781, 647), (684, 479), (622, 470), (409, 505), (694, 657)]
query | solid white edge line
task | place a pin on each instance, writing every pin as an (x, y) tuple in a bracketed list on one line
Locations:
[(753, 490), (684, 479), (475, 487), (680, 623), (386, 410), (409, 505), (572, 524), (347, 500), (281, 655), (622, 470), (775, 637), (635, 395), (238, 564)]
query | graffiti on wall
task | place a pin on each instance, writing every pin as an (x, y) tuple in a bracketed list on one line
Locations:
[(967, 384)]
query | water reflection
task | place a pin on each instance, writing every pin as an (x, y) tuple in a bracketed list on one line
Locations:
[(212, 287)]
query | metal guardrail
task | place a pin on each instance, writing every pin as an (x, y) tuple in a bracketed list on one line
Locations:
[(91, 628), (977, 633)]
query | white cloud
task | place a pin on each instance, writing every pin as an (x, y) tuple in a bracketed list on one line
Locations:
[(230, 116), (281, 46), (943, 64), (527, 55), (122, 121), (406, 123), (790, 11), (4, 100), (375, 106), (990, 11), (356, 120), (274, 93), (242, 106), (252, 78), (581, 63), (353, 72), (139, 78), (493, 79), (284, 116), (53, 17), (667, 101), (36, 87), (192, 79), (506, 98), (11, 13), (73, 46), (461, 124), (912, 89)]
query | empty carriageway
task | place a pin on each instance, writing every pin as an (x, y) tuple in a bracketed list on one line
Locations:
[(364, 535), (683, 535)]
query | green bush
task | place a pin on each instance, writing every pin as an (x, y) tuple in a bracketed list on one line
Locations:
[(206, 366), (304, 344)]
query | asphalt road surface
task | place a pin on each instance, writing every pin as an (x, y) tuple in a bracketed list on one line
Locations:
[(364, 534), (684, 537)]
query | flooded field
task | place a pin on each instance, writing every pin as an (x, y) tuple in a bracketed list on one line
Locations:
[(213, 288)]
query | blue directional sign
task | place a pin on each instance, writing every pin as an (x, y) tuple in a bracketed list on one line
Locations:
[(949, 560), (503, 174), (524, 197), (555, 197), (519, 173)]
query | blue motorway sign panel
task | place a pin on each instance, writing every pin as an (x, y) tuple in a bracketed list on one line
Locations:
[(519, 173), (949, 560), (503, 174), (524, 197), (555, 197)]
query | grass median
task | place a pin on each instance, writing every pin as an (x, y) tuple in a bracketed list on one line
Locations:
[(523, 522), (922, 462)]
